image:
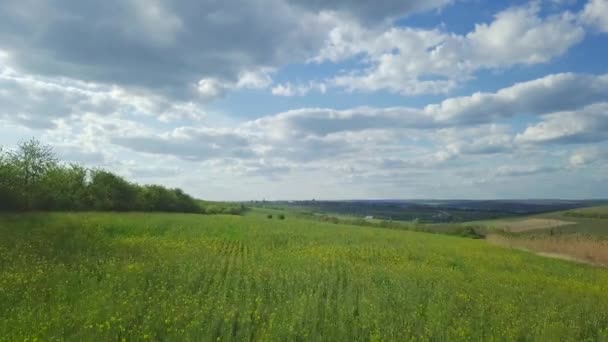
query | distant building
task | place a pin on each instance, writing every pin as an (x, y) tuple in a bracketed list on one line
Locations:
[(369, 217)]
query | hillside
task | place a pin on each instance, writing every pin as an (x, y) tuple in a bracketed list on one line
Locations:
[(578, 234), (428, 211), (107, 276)]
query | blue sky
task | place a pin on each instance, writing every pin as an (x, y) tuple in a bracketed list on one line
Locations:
[(293, 99)]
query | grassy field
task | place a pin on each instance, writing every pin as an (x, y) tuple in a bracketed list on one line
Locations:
[(107, 276)]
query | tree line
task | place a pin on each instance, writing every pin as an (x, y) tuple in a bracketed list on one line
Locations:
[(32, 178)]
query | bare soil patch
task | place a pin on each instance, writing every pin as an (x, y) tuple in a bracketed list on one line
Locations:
[(531, 224), (593, 252)]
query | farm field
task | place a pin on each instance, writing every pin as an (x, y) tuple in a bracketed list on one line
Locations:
[(568, 247), (585, 222), (600, 212), (530, 224), (109, 276), (577, 234)]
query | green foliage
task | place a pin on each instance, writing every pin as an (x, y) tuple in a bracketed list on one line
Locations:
[(31, 178), (111, 192), (281, 216), (10, 196), (222, 208), (170, 277), (269, 216)]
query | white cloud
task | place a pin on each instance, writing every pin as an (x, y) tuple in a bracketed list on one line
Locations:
[(589, 124), (518, 35), (369, 12), (38, 102), (588, 156), (124, 85), (254, 79), (211, 88), (595, 14), (415, 61), (544, 95), (154, 21), (189, 143), (477, 140), (168, 47), (548, 94), (289, 89), (523, 170)]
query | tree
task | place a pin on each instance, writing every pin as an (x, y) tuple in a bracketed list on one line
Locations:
[(28, 165), (32, 160), (62, 188), (31, 178), (10, 196), (108, 191)]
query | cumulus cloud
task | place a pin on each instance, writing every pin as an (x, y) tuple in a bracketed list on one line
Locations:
[(537, 97), (519, 36), (367, 11), (570, 108), (289, 89), (39, 102), (544, 95), (595, 14), (416, 61), (589, 124), (524, 170), (213, 88), (588, 156), (126, 84), (270, 169), (477, 140), (368, 139), (171, 47), (189, 143)]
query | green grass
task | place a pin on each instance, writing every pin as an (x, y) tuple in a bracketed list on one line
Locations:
[(107, 276)]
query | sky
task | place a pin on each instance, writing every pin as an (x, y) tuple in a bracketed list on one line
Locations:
[(303, 99)]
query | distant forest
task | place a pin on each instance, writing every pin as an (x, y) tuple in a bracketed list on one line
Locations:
[(32, 178)]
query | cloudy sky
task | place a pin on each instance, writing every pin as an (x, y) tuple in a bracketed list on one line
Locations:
[(300, 99)]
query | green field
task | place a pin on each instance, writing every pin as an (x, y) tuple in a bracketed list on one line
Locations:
[(108, 276)]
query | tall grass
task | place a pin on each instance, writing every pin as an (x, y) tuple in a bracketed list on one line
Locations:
[(103, 276)]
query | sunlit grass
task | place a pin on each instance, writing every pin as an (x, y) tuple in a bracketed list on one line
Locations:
[(175, 277)]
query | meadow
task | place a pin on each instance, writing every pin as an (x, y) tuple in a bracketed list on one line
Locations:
[(153, 276)]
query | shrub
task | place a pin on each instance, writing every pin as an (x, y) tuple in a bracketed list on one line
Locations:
[(31, 178), (281, 217)]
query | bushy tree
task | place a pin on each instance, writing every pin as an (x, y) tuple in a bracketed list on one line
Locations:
[(30, 163), (10, 196), (63, 188), (108, 191), (32, 178)]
